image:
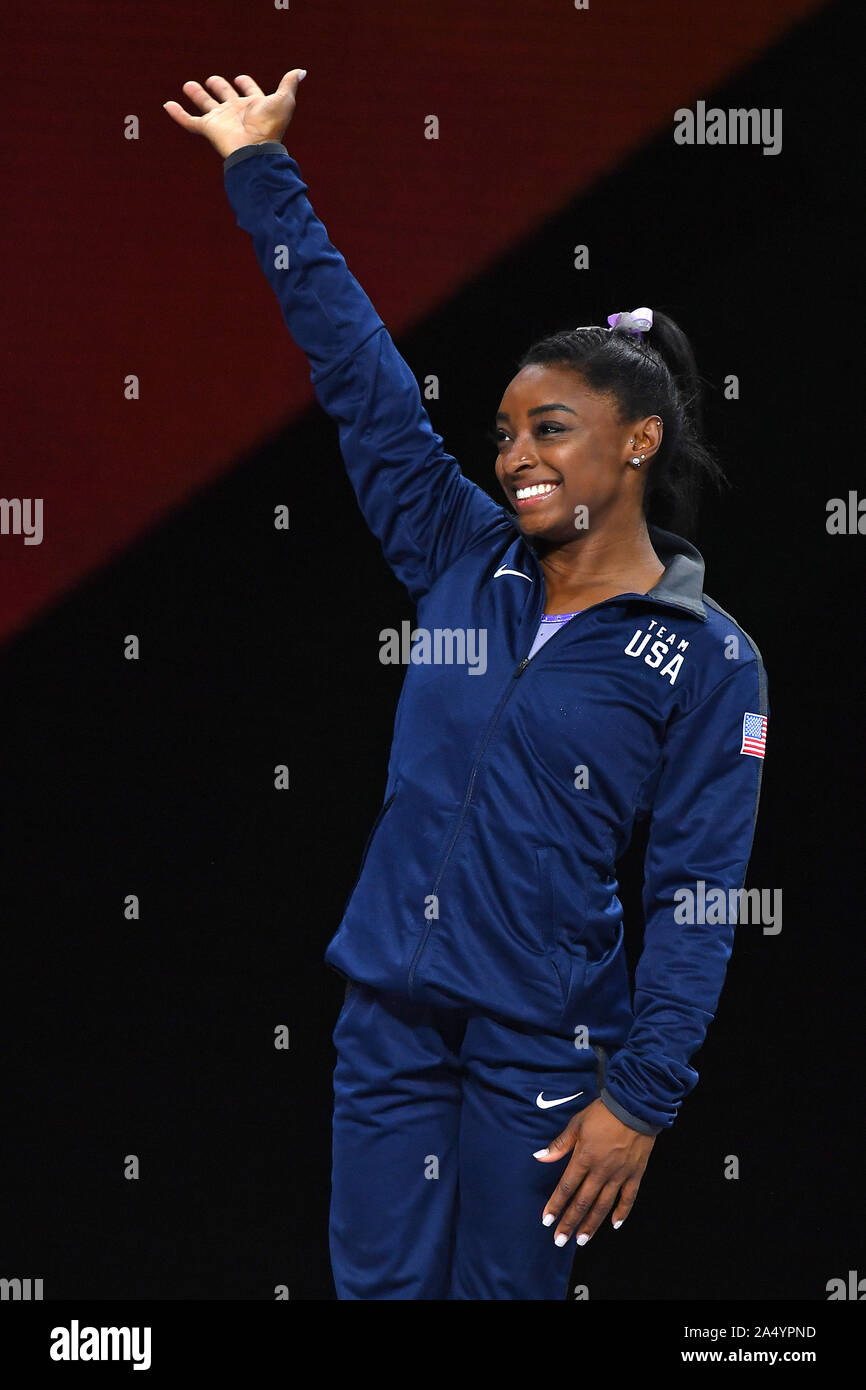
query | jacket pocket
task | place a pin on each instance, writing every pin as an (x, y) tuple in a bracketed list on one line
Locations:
[(547, 927), (567, 958), (383, 811), (352, 993)]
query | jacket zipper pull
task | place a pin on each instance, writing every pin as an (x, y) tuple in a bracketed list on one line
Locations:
[(522, 667)]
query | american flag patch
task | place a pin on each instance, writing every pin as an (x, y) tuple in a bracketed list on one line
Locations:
[(754, 734)]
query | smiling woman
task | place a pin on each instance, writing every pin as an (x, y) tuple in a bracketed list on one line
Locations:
[(584, 467), (482, 944)]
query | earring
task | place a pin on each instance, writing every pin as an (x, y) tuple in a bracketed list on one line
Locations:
[(636, 462)]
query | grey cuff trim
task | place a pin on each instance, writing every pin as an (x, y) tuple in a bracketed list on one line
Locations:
[(633, 1121), (264, 146)]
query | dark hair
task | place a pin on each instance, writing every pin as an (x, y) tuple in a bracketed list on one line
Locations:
[(653, 376)]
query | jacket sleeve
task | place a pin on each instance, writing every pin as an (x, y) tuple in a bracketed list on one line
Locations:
[(412, 494), (704, 808)]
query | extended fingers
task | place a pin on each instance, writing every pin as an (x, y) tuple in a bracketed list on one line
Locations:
[(183, 118), (565, 1191), (197, 94), (224, 90), (586, 1213), (245, 84), (202, 99), (572, 1198), (626, 1201), (585, 1194)]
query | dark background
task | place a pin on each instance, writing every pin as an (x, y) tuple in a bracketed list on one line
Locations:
[(155, 777)]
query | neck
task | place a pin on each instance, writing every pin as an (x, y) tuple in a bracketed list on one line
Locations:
[(599, 565)]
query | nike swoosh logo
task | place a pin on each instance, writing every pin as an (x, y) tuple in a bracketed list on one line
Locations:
[(546, 1104), (503, 569)]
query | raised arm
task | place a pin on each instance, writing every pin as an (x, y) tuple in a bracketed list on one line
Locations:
[(412, 493)]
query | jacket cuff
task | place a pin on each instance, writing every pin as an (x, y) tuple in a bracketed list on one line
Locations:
[(633, 1121), (263, 147)]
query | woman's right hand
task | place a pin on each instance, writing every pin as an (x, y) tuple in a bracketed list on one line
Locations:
[(231, 121)]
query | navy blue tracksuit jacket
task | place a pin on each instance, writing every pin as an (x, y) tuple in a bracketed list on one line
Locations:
[(484, 933)]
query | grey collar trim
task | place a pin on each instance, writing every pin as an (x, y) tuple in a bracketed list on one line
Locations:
[(683, 580)]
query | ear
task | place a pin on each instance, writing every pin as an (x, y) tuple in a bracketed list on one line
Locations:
[(645, 438)]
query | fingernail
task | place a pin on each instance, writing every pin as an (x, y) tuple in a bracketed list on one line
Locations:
[(548, 1220), (581, 1240), (617, 1224), (560, 1240), (302, 74), (541, 1153)]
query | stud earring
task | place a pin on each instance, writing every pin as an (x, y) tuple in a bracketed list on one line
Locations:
[(636, 462)]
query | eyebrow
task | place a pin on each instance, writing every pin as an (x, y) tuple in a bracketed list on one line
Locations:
[(538, 410)]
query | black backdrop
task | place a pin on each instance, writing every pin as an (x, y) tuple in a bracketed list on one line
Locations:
[(155, 1037)]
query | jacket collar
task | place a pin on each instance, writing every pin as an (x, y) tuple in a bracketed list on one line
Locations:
[(683, 580), (682, 583)]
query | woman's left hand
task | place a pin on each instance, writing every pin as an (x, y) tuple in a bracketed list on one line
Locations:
[(608, 1162)]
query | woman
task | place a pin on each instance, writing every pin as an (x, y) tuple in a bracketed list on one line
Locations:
[(483, 941)]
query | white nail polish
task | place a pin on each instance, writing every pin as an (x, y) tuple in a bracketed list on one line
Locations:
[(541, 1153), (560, 1240), (616, 1225), (548, 1220), (581, 1240)]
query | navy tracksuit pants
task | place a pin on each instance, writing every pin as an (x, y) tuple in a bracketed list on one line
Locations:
[(435, 1193)]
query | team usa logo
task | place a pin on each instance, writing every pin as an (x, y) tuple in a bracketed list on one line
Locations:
[(754, 735), (661, 647)]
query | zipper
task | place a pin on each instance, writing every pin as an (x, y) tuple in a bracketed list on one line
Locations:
[(465, 807), (517, 672)]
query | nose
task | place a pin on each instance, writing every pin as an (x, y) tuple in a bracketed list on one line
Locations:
[(520, 451), (520, 455), (523, 462)]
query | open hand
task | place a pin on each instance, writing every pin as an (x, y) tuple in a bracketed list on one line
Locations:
[(605, 1170), (231, 120)]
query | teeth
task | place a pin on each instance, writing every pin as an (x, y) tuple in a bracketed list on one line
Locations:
[(539, 490)]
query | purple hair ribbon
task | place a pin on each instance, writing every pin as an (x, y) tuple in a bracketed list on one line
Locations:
[(638, 322)]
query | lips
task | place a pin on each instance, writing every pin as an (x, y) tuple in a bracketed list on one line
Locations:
[(535, 494)]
